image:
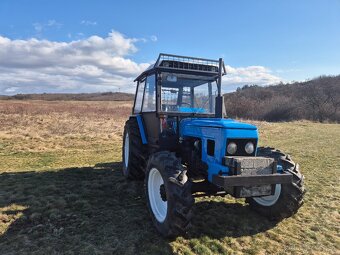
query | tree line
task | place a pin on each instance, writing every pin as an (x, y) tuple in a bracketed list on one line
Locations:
[(317, 100)]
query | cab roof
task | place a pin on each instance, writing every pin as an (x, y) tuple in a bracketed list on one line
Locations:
[(183, 64)]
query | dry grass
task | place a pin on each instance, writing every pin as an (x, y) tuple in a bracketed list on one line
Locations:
[(42, 131), (61, 190)]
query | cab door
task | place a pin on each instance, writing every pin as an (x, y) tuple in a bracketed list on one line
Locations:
[(145, 105), (149, 113)]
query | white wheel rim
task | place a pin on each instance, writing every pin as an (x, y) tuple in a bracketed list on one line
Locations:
[(269, 200), (126, 150), (158, 206)]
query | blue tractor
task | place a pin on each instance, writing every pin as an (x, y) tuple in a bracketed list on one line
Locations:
[(180, 142)]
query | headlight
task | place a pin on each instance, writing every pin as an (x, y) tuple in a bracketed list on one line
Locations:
[(231, 148), (249, 148)]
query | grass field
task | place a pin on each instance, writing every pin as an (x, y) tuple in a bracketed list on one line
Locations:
[(62, 192)]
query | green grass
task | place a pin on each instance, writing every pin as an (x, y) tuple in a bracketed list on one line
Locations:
[(64, 194)]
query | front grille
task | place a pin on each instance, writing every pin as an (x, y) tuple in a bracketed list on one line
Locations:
[(241, 143)]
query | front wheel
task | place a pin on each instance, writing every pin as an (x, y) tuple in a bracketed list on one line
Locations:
[(288, 197), (168, 193)]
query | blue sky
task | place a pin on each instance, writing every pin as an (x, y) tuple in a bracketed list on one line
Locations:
[(69, 46)]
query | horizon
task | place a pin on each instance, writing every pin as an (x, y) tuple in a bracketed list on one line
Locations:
[(92, 48), (133, 92)]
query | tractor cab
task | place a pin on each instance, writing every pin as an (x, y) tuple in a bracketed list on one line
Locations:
[(174, 88)]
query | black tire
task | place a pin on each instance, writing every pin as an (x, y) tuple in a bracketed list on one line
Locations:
[(134, 168), (291, 195), (178, 194)]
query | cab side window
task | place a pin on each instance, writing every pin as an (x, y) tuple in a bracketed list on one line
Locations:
[(139, 97), (149, 104)]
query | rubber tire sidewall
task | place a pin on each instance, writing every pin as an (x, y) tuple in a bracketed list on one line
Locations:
[(162, 227), (126, 166)]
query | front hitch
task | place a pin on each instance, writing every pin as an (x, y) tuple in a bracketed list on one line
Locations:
[(250, 176)]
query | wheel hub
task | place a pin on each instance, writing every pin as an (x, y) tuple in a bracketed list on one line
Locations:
[(269, 200), (162, 192)]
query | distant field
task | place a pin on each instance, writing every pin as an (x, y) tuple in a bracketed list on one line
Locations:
[(62, 192), (105, 96)]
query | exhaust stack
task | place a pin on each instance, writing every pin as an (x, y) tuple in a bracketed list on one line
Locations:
[(219, 100)]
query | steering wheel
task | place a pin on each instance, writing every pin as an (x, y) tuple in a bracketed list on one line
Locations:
[(185, 103)]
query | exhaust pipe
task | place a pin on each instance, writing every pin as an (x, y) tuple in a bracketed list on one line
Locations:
[(219, 100)]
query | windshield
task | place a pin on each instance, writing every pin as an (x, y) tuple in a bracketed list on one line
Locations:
[(185, 93)]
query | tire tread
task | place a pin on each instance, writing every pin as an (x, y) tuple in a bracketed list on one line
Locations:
[(291, 197), (178, 194), (138, 151)]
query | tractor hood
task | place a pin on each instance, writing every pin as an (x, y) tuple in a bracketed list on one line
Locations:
[(218, 123)]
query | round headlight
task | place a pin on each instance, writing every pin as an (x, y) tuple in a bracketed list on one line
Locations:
[(249, 148), (232, 148)]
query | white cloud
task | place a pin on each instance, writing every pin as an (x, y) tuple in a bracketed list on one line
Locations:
[(80, 34), (11, 89), (53, 23), (153, 38), (88, 65), (91, 64), (88, 23), (39, 27), (239, 76)]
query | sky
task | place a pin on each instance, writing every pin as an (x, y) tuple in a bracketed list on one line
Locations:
[(99, 46)]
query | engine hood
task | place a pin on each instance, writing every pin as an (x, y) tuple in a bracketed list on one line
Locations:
[(218, 123)]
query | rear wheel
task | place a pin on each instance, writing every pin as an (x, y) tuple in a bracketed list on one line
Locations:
[(134, 151), (288, 197), (168, 193)]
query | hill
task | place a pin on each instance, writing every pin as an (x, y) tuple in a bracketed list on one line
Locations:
[(106, 96), (317, 100)]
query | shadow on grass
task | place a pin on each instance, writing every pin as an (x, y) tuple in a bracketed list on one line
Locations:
[(87, 210), (221, 219), (93, 210)]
